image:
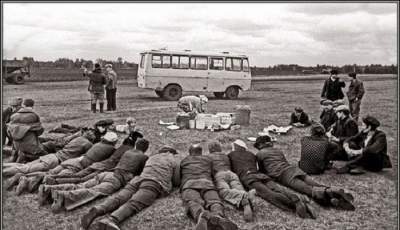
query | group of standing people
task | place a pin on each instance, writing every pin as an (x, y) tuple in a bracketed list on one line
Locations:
[(100, 82)]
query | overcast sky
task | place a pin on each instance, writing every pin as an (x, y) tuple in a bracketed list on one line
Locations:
[(269, 33)]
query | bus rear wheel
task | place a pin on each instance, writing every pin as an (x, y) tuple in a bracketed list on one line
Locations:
[(219, 95), (19, 79), (172, 92), (232, 92)]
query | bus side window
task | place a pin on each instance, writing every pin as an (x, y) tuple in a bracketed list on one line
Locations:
[(184, 62), (237, 64), (142, 62), (175, 62), (216, 63), (166, 61), (245, 65), (228, 64), (199, 63), (156, 61)]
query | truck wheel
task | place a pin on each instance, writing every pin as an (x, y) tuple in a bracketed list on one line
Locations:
[(219, 95), (159, 93), (172, 92), (18, 79), (232, 92)]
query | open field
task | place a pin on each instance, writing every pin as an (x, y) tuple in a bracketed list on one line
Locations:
[(271, 103)]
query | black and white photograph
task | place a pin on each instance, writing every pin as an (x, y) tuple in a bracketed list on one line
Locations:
[(199, 115)]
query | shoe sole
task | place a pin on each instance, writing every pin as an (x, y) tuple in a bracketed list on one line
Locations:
[(248, 213), (223, 223)]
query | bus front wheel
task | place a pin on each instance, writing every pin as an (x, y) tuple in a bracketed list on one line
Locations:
[(232, 92), (172, 92), (219, 95)]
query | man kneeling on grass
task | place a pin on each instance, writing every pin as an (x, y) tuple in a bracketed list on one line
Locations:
[(199, 194), (159, 175), (70, 196), (273, 163), (228, 183), (244, 164)]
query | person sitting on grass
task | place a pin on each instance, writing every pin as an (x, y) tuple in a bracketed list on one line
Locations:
[(127, 128), (228, 183), (14, 105), (369, 148), (299, 118), (328, 116), (160, 174), (273, 163), (244, 164), (199, 194), (71, 196)]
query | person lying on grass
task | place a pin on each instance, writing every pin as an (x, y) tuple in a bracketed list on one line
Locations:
[(273, 163), (368, 148), (228, 183), (244, 164), (71, 196), (160, 174)]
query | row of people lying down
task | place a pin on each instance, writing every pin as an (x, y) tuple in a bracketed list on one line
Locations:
[(137, 180)]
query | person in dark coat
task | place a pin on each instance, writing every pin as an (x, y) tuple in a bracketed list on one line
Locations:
[(160, 174), (97, 81), (299, 118), (328, 116), (343, 128), (273, 163), (199, 194), (71, 196), (355, 94), (244, 164), (332, 89), (369, 147), (14, 105)]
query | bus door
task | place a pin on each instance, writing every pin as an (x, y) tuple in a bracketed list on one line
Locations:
[(198, 68), (216, 75)]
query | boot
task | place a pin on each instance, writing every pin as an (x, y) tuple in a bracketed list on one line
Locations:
[(44, 195), (108, 223), (88, 218), (218, 222), (247, 213), (101, 107), (202, 221), (34, 183), (22, 185), (93, 108), (58, 202), (10, 183)]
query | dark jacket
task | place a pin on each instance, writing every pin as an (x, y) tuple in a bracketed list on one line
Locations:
[(327, 118), (272, 162), (332, 90), (220, 162), (131, 164), (244, 164), (344, 128), (303, 119), (98, 152), (112, 161), (314, 154), (196, 172), (374, 154), (356, 90), (75, 148), (97, 80)]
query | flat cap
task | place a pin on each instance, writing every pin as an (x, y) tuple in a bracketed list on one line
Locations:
[(370, 120), (28, 102), (167, 148), (326, 102), (105, 122)]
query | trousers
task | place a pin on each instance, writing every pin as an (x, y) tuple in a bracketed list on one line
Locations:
[(198, 200), (230, 188)]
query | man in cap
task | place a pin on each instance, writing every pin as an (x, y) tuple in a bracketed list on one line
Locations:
[(97, 80), (199, 195), (160, 174), (193, 104), (25, 128), (332, 89), (111, 88), (343, 128), (355, 94), (97, 152), (299, 118), (14, 105), (273, 163), (328, 116), (315, 151), (71, 196), (228, 183), (369, 147), (244, 164)]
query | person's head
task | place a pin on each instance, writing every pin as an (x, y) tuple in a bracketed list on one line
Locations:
[(28, 102), (131, 121), (370, 123), (342, 111), (15, 103), (334, 74), (142, 145), (97, 66), (263, 142), (317, 130), (203, 99), (103, 125), (132, 137), (167, 149), (353, 75), (108, 67), (89, 134), (326, 104), (110, 137), (239, 145), (298, 110), (195, 150), (214, 147)]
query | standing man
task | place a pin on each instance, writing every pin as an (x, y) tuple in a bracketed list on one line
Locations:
[(355, 94), (332, 89), (111, 88), (97, 80)]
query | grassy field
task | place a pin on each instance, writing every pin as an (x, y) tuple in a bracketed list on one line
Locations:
[(271, 103)]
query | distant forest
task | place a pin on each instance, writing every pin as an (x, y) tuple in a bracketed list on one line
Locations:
[(282, 69)]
